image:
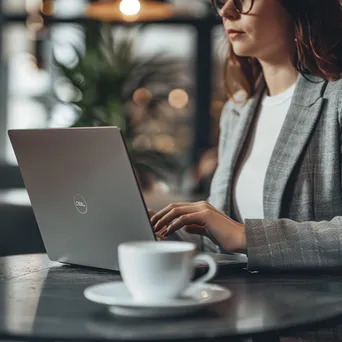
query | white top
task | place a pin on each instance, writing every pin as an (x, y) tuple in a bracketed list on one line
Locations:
[(249, 180)]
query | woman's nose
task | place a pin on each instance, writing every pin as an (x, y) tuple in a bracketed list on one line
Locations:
[(229, 11)]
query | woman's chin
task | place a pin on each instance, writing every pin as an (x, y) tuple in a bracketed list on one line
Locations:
[(242, 51)]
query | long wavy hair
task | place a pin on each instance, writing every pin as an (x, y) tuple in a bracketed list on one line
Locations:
[(318, 46)]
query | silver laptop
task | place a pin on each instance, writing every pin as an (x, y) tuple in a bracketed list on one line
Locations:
[(84, 193)]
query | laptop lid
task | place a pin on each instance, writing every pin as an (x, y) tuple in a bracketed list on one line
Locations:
[(83, 192)]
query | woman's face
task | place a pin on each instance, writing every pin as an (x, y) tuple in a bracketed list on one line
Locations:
[(265, 32)]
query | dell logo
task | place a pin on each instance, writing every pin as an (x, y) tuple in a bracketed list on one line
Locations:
[(80, 204)]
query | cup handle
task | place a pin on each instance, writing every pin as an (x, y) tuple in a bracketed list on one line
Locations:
[(212, 267)]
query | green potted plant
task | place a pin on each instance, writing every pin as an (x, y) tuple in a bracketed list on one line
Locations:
[(104, 81)]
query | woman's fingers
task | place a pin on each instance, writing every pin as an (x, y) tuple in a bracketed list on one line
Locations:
[(174, 210), (197, 218), (157, 216), (174, 215), (151, 213), (159, 237)]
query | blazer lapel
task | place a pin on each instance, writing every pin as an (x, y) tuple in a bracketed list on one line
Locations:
[(298, 126)]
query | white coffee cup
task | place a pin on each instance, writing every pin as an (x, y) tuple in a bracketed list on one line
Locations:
[(160, 271)]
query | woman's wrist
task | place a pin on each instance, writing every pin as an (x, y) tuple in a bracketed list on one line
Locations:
[(242, 244), (234, 240)]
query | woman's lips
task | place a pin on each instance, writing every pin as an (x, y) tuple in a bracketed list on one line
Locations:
[(233, 34)]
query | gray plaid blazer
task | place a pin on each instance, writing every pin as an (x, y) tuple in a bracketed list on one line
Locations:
[(302, 225)]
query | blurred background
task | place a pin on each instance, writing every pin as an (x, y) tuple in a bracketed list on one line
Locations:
[(152, 67)]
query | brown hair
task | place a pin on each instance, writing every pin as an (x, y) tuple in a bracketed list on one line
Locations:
[(318, 46)]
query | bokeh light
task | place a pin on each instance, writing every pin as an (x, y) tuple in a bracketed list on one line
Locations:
[(178, 98), (130, 7), (142, 96)]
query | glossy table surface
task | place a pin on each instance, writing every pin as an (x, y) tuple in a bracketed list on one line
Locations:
[(44, 299)]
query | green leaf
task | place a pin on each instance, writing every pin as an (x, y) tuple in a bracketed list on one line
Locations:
[(107, 74)]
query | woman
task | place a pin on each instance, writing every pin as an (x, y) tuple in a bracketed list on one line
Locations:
[(277, 191)]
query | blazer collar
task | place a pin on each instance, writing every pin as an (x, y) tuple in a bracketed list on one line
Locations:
[(308, 90)]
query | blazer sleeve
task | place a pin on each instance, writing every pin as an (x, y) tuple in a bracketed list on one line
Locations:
[(286, 244)]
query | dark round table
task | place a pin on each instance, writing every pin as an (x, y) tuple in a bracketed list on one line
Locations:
[(41, 299)]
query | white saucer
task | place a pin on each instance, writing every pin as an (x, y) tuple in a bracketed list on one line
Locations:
[(120, 302)]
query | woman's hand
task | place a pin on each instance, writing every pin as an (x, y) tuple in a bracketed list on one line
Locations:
[(151, 212), (159, 235), (201, 218)]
